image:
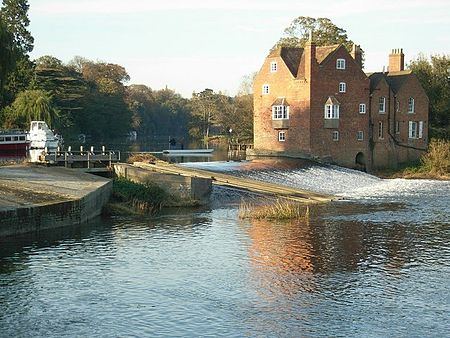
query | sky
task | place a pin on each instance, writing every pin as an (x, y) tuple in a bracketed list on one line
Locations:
[(190, 45)]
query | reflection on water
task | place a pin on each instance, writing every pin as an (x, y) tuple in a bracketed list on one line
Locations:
[(374, 265)]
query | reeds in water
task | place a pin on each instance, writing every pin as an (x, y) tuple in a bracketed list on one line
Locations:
[(279, 209)]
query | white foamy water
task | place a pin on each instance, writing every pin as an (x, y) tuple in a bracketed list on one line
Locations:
[(346, 183)]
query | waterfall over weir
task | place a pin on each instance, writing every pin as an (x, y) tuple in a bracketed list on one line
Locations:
[(342, 182)]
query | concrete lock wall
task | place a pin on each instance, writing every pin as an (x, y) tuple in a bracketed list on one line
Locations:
[(21, 220), (185, 187)]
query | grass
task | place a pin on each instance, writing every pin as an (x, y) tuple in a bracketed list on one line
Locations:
[(145, 198), (141, 157), (279, 209)]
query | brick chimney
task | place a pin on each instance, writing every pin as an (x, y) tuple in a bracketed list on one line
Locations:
[(396, 60), (310, 56), (357, 55)]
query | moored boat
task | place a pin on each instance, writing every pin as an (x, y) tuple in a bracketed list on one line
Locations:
[(13, 142), (41, 136)]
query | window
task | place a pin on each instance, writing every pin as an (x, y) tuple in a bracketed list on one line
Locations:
[(413, 129), (380, 130), (360, 136), (382, 105), (282, 136), (335, 135), (410, 105), (342, 87), (398, 106), (340, 64), (265, 89), (362, 108), (397, 127), (273, 67), (331, 111), (280, 112)]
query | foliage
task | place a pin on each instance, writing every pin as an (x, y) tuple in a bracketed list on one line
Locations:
[(434, 75), (8, 56), (147, 198), (224, 112), (280, 209), (161, 112), (142, 157), (437, 159), (34, 105), (325, 32), (15, 14)]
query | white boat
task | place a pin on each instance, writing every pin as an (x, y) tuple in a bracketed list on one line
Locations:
[(41, 136), (187, 151)]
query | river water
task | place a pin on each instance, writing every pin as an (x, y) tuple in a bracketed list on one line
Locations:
[(374, 264)]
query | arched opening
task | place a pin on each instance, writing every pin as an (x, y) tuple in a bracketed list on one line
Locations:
[(360, 161)]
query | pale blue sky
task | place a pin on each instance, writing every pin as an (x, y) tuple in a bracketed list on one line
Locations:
[(190, 45)]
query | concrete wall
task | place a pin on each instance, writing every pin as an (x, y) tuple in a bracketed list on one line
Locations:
[(184, 187), (21, 220)]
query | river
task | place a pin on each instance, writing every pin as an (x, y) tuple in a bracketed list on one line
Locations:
[(374, 264)]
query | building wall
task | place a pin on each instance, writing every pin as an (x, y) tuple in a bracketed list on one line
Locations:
[(282, 84), (395, 148), (325, 84)]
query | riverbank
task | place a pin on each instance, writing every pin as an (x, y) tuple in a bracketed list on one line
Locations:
[(33, 198)]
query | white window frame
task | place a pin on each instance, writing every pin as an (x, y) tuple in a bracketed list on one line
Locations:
[(280, 112), (380, 130), (342, 87), (273, 67), (411, 105), (331, 111), (265, 89), (340, 63), (413, 130), (360, 135), (281, 136), (382, 104), (420, 129), (397, 106), (335, 135), (397, 127), (362, 108)]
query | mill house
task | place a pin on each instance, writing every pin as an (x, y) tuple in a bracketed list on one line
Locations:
[(317, 102)]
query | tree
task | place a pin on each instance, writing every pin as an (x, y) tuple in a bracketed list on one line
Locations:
[(324, 31), (34, 105), (8, 56), (15, 14), (434, 75), (48, 61), (204, 110)]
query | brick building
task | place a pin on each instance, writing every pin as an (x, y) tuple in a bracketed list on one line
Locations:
[(317, 102)]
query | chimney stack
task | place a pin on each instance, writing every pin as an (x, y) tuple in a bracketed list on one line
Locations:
[(396, 60), (357, 55)]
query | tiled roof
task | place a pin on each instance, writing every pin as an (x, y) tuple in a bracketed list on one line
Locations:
[(281, 101), (395, 79), (323, 52)]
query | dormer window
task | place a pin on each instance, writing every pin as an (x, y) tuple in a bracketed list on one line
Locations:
[(280, 109), (265, 89), (340, 64), (411, 105), (332, 108), (273, 67), (342, 87)]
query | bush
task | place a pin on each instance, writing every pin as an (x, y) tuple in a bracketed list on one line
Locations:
[(280, 209), (141, 157), (437, 159), (145, 198)]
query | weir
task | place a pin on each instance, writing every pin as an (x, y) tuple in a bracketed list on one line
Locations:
[(247, 184)]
